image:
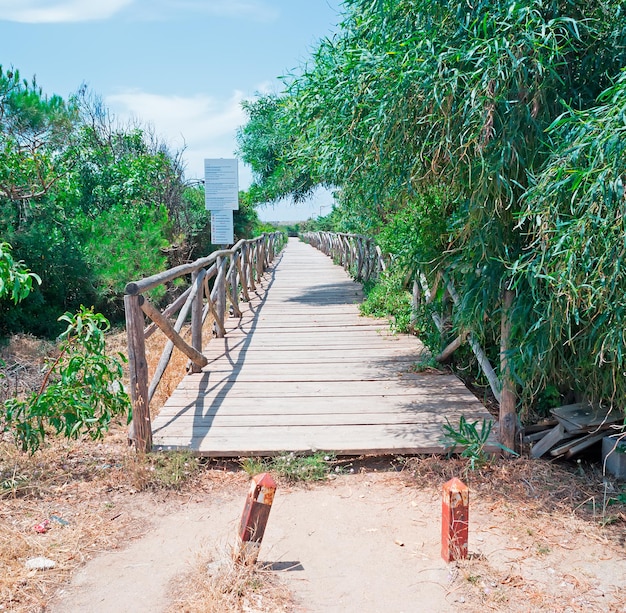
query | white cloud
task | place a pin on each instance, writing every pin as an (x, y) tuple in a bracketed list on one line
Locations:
[(161, 10), (65, 11), (58, 11), (204, 125)]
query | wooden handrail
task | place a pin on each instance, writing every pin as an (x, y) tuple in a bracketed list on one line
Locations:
[(364, 260), (235, 272), (358, 254)]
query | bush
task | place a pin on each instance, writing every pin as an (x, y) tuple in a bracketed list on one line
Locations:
[(81, 392)]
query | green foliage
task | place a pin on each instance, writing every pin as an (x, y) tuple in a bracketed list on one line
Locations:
[(415, 232), (472, 439), (82, 390), (574, 272), (266, 143), (246, 220), (115, 258), (16, 281), (387, 297), (107, 205), (498, 103), (291, 466), (34, 129), (164, 470)]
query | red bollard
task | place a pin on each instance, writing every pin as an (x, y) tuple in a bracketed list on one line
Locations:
[(454, 520), (254, 517)]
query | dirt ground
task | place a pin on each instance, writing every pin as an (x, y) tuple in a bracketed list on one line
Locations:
[(156, 533), (362, 542)]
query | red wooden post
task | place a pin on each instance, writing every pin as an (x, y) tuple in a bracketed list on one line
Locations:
[(254, 518), (454, 520)]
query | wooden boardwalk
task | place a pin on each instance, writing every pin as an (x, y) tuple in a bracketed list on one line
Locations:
[(302, 371)]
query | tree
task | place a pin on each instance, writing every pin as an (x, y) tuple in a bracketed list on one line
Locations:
[(267, 144), (574, 217), (413, 96)]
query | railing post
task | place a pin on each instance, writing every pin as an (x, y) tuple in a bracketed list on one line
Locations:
[(242, 264), (250, 265), (234, 285), (260, 259), (220, 297), (196, 320), (141, 428)]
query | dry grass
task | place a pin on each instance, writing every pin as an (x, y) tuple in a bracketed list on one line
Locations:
[(545, 510), (94, 486), (105, 492), (221, 586), (534, 487), (21, 364)]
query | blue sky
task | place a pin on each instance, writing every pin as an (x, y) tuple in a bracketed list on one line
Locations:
[(181, 65)]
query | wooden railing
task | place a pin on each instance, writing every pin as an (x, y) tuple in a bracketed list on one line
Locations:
[(364, 260), (358, 254), (234, 272)]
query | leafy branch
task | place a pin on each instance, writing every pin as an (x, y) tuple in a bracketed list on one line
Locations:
[(81, 392)]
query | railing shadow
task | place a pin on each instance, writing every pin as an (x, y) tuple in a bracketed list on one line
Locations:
[(203, 415)]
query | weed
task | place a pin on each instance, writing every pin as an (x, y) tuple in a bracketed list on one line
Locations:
[(163, 470), (472, 439), (543, 550), (291, 466), (388, 298), (255, 466), (426, 364)]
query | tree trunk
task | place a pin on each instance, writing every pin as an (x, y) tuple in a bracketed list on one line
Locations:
[(508, 414)]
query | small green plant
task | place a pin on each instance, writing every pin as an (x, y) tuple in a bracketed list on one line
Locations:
[(16, 281), (426, 364), (291, 466), (472, 439), (388, 298), (542, 549), (173, 469), (255, 466), (81, 392)]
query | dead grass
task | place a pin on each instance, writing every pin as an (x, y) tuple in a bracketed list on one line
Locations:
[(21, 365), (105, 492), (220, 585), (548, 512), (536, 487), (93, 486)]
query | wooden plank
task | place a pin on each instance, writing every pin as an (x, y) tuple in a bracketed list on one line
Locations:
[(554, 436), (185, 425), (343, 440), (428, 406), (574, 447), (302, 370), (321, 389), (583, 415)]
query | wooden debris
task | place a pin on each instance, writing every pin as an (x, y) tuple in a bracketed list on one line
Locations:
[(575, 427)]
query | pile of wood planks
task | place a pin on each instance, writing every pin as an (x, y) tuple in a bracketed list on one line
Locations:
[(573, 428)]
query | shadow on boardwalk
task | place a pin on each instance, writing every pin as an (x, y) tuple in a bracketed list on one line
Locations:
[(303, 370)]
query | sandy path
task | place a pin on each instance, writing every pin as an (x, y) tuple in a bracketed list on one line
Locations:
[(363, 544)]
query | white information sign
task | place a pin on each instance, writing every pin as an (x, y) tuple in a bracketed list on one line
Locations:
[(222, 227), (221, 184)]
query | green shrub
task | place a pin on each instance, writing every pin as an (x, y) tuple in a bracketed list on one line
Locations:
[(388, 298), (81, 392)]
